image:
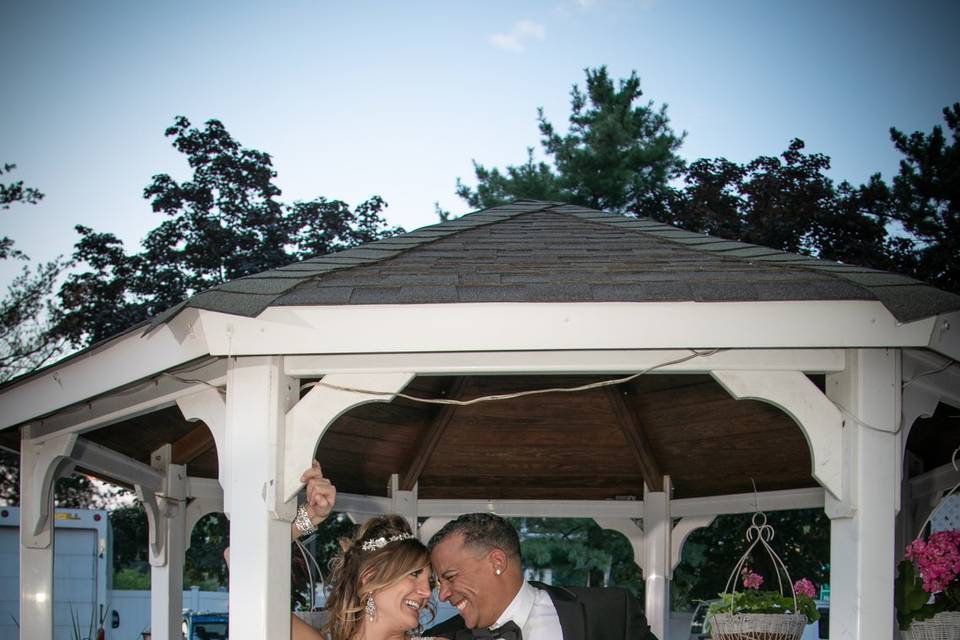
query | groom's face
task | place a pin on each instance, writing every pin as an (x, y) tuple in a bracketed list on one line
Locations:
[(466, 580)]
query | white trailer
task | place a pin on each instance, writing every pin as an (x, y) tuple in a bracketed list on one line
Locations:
[(81, 571)]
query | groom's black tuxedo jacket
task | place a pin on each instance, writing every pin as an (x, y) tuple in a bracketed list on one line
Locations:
[(586, 613)]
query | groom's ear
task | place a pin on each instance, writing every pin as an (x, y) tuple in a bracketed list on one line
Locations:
[(498, 560)]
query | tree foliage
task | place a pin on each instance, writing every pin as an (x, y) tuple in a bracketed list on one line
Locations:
[(13, 193), (785, 202), (222, 223), (577, 552), (617, 154), (26, 308), (926, 199), (204, 565)]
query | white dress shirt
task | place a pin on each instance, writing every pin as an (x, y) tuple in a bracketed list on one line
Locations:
[(532, 610)]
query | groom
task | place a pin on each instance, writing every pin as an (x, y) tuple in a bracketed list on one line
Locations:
[(477, 562)]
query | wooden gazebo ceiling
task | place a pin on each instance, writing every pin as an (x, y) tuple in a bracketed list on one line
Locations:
[(595, 444)]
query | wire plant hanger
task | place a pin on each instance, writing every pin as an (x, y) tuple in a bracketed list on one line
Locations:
[(760, 532), (781, 624)]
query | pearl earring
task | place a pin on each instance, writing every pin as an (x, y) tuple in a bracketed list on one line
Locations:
[(497, 572)]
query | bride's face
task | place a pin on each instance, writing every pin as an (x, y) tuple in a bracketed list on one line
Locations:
[(399, 605)]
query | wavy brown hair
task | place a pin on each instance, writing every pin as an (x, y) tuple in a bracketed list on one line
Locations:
[(356, 573)]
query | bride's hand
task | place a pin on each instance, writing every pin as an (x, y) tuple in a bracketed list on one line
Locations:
[(321, 494)]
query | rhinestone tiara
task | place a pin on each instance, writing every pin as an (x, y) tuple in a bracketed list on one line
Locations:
[(381, 542)]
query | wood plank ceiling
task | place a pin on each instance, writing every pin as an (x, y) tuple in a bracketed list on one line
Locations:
[(597, 444)]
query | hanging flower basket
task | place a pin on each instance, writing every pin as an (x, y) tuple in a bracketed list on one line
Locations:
[(927, 588), (752, 614), (943, 626), (758, 626)]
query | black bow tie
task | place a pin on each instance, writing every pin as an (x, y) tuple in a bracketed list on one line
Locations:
[(509, 631)]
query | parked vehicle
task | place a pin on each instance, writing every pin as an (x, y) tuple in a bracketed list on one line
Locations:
[(819, 630), (205, 626)]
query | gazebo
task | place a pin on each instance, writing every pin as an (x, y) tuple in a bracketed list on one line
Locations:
[(652, 375)]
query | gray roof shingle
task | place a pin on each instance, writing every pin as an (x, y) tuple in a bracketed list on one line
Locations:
[(532, 251)]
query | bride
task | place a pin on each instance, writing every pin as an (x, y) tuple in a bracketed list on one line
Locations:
[(381, 578)]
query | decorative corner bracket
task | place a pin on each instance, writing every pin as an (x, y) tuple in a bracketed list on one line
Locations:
[(819, 420), (42, 462), (307, 421)]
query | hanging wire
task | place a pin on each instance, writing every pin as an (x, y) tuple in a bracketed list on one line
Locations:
[(929, 372), (520, 394)]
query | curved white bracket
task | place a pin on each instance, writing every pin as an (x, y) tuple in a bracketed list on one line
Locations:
[(681, 530), (41, 464), (918, 401), (307, 421), (210, 406), (630, 530), (162, 505), (156, 525), (197, 508), (818, 418)]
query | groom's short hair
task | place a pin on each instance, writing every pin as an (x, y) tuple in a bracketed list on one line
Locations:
[(481, 530)]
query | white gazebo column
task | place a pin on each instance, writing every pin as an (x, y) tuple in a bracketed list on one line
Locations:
[(657, 528), (258, 397), (862, 531), (403, 502), (41, 463), (166, 518), (652, 551)]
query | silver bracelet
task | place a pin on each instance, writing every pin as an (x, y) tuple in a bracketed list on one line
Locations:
[(302, 522)]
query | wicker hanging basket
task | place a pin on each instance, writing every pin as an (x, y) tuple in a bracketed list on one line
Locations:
[(759, 626), (943, 626)]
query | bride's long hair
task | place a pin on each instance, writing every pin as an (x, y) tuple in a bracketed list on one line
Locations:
[(356, 573)]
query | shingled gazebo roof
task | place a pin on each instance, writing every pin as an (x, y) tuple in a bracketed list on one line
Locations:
[(520, 253), (533, 251)]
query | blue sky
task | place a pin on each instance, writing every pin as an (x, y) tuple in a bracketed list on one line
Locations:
[(360, 98)]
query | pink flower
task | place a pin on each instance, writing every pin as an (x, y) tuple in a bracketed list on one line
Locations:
[(751, 580), (937, 559), (804, 587)]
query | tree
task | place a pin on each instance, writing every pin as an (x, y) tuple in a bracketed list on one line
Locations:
[(577, 551), (616, 155), (926, 200), (785, 202), (12, 193), (223, 223), (25, 309)]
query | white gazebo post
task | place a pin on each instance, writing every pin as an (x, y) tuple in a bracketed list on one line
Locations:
[(657, 527), (862, 522), (258, 397), (41, 463), (403, 502), (166, 518)]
